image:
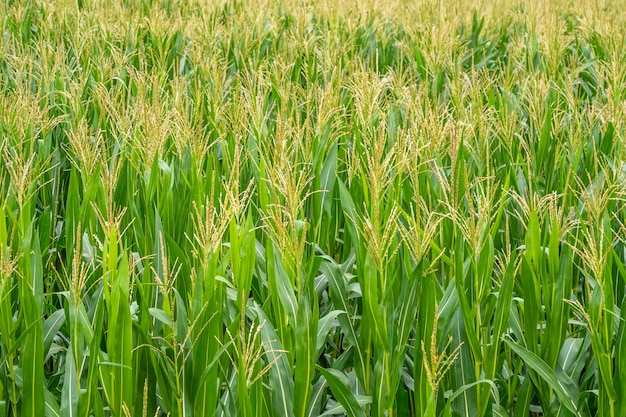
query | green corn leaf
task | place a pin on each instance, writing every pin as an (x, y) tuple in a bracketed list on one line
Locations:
[(620, 366), (281, 379), (69, 396), (306, 334), (52, 406), (51, 327), (340, 297), (338, 385), (325, 324), (32, 359), (563, 386)]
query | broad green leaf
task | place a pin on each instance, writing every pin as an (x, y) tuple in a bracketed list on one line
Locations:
[(337, 383), (32, 359), (51, 327), (281, 380), (69, 396), (563, 386)]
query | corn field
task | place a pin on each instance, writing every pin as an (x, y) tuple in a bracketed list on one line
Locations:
[(305, 208)]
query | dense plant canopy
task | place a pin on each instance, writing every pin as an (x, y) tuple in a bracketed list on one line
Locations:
[(312, 208)]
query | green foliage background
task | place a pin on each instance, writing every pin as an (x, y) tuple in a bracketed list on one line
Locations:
[(312, 208)]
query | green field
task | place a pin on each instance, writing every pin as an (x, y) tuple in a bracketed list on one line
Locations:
[(306, 208)]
